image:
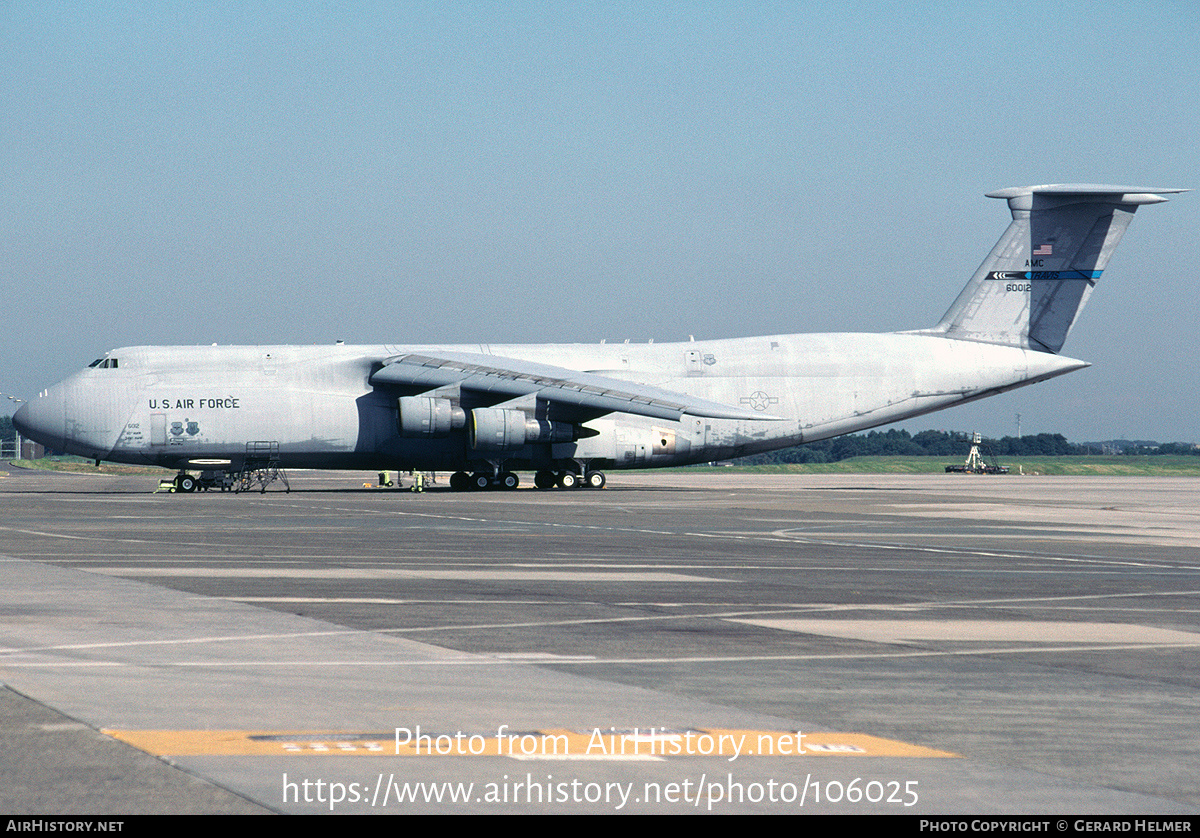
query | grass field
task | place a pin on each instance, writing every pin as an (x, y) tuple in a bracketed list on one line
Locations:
[(75, 465), (1141, 466)]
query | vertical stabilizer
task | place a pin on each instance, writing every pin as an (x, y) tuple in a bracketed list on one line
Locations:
[(1037, 278)]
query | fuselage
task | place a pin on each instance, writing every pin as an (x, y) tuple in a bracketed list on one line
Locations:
[(316, 406), (569, 410)]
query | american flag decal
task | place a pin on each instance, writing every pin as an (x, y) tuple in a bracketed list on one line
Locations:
[(1044, 250)]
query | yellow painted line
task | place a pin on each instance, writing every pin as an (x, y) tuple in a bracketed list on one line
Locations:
[(552, 743)]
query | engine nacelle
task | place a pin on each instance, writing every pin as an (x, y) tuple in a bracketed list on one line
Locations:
[(497, 429), (540, 430), (425, 417), (500, 429)]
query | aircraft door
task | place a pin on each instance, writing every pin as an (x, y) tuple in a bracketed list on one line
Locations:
[(158, 429), (631, 454), (631, 448), (697, 362)]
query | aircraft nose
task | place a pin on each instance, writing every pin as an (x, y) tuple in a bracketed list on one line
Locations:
[(43, 419)]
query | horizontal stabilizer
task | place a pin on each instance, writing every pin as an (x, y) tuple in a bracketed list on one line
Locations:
[(1101, 191)]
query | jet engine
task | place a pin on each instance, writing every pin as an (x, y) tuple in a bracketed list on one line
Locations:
[(499, 429), (425, 417)]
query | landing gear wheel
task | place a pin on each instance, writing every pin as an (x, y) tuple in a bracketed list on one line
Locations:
[(594, 480), (544, 479), (460, 481), (480, 480), (185, 483), (568, 480), (508, 480)]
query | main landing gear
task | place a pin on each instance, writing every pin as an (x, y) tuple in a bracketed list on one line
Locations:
[(545, 479), (570, 480), (480, 480)]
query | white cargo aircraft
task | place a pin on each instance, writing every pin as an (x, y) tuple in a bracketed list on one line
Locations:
[(570, 411)]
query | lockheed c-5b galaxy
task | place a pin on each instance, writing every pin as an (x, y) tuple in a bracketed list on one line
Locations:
[(569, 412)]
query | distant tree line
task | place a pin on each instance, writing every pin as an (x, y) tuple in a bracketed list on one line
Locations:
[(7, 432), (954, 444), (1161, 448)]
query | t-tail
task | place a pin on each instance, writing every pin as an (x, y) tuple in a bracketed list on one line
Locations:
[(1034, 283)]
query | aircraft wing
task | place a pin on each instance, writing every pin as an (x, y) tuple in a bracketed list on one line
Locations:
[(510, 378)]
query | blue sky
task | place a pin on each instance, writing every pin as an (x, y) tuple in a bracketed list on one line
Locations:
[(552, 172)]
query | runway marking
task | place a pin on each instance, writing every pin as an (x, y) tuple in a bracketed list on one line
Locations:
[(74, 537), (400, 573), (980, 631), (1011, 533), (738, 615), (772, 606), (749, 614), (780, 535), (784, 535), (190, 566), (1004, 602), (678, 569), (351, 600), (467, 659), (475, 520), (231, 638), (603, 742), (888, 655), (539, 657)]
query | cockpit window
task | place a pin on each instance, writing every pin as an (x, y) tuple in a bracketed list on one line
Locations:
[(104, 363)]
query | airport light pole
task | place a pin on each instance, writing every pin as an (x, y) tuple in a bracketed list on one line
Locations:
[(16, 433)]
